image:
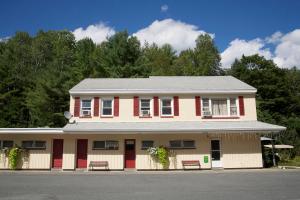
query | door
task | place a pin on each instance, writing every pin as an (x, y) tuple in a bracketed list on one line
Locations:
[(82, 153), (57, 153), (216, 161), (129, 153)]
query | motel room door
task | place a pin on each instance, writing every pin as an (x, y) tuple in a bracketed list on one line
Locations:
[(216, 161), (57, 153), (82, 145), (129, 154)]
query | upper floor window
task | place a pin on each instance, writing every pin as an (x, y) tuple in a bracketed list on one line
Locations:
[(86, 107), (145, 107), (166, 107), (6, 144), (219, 107), (107, 107)]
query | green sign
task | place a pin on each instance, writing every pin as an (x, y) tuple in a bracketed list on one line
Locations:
[(205, 159)]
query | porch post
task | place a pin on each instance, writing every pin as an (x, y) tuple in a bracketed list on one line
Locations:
[(273, 152)]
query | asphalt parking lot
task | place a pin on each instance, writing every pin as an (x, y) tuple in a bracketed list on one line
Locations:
[(240, 184)]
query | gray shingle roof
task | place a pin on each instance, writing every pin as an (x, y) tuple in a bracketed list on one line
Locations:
[(173, 127), (163, 84)]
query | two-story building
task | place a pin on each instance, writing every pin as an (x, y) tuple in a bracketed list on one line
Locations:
[(209, 119)]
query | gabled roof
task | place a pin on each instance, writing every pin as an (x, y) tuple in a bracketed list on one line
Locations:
[(173, 127), (163, 85)]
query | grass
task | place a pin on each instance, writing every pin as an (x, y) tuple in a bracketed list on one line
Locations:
[(293, 162)]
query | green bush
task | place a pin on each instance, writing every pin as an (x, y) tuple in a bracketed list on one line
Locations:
[(14, 157)]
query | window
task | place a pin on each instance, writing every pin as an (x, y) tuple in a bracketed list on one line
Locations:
[(107, 109), (144, 107), (219, 107), (147, 144), (86, 107), (33, 144), (166, 107), (175, 144), (233, 107), (182, 144), (6, 144), (106, 145), (188, 143), (205, 107)]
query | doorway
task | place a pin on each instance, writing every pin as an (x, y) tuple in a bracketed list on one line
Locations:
[(216, 161), (82, 145), (130, 154), (57, 153)]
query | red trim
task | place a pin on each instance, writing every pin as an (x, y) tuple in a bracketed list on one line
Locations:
[(116, 106), (166, 116), (77, 107), (198, 105), (136, 106), (176, 106), (96, 106), (145, 117), (156, 106), (85, 117), (241, 106), (220, 117), (106, 116)]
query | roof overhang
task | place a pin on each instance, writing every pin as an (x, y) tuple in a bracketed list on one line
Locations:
[(172, 127), (131, 91), (31, 130)]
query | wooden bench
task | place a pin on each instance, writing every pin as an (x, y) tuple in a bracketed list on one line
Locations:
[(98, 164), (191, 163)]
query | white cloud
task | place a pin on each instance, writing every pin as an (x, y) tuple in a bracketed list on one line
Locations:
[(98, 32), (286, 53), (4, 39), (176, 33), (239, 47), (164, 8)]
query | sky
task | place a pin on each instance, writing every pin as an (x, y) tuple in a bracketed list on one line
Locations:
[(270, 28)]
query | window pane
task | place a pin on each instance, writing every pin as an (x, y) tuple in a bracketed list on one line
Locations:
[(107, 111), (145, 103), (189, 143), (40, 144), (107, 103), (233, 107), (99, 145), (166, 111), (7, 144), (219, 106), (147, 144), (215, 145), (166, 102), (27, 144), (175, 143), (232, 102), (205, 102), (86, 103), (113, 145)]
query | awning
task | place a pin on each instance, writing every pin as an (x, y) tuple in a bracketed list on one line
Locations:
[(174, 127), (31, 131), (280, 146)]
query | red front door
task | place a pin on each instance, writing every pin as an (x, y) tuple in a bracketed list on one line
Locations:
[(129, 153), (57, 154), (82, 153)]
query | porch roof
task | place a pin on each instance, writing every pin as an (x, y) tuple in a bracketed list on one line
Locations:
[(173, 127)]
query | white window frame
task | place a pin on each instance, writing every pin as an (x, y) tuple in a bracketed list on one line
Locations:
[(84, 99), (140, 105), (172, 106), (105, 145), (112, 106), (228, 106)]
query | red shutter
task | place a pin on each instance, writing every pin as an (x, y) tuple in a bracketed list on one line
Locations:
[(96, 106), (176, 106), (136, 106), (155, 105), (116, 106), (241, 104), (198, 105), (77, 107)]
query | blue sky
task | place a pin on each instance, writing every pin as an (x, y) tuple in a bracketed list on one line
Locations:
[(242, 22)]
